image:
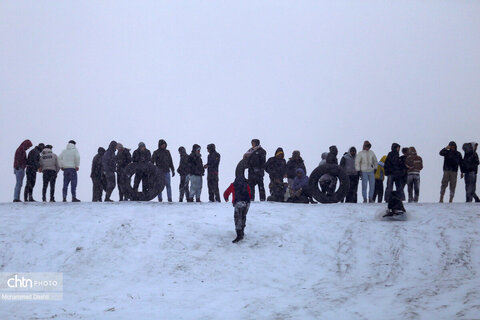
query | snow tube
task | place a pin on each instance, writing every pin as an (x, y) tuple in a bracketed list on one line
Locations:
[(240, 170), (153, 181), (333, 170)]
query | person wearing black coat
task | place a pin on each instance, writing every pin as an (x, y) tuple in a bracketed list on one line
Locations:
[(98, 178), (197, 171), (469, 167), (256, 158), (276, 167), (141, 157), (33, 164), (123, 159), (183, 171), (163, 160), (294, 163), (451, 162), (213, 161), (394, 170), (109, 166)]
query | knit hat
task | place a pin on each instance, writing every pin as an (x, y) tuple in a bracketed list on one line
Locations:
[(141, 145)]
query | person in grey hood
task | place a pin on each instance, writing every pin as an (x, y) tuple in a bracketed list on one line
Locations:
[(109, 166), (49, 166), (348, 164), (163, 160)]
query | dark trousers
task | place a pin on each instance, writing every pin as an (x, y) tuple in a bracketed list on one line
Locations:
[(254, 180), (121, 182), (240, 214), (213, 192), (398, 182), (277, 190), (139, 176), (183, 188), (471, 186), (31, 180), (97, 189), (353, 190), (69, 176), (110, 176), (49, 177), (378, 192)]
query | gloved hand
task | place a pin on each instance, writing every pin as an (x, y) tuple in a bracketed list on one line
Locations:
[(173, 173)]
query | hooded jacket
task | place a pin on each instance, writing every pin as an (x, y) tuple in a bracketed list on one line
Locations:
[(348, 163), (300, 183), (293, 165), (108, 160), (451, 158), (413, 161), (183, 167), (213, 159), (380, 172), (69, 158), (162, 158), (332, 155), (33, 158), (49, 160), (393, 165), (123, 159), (276, 167), (470, 161), (20, 159), (195, 162), (240, 191), (366, 161), (96, 172)]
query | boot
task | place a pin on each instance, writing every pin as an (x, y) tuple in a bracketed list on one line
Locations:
[(106, 200), (75, 200), (198, 200), (451, 199), (441, 198), (64, 200), (52, 199), (190, 200), (239, 236), (17, 200), (44, 199)]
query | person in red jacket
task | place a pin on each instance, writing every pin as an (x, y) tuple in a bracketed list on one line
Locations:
[(19, 165), (241, 202)]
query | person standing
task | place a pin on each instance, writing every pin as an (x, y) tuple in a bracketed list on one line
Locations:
[(33, 166), (141, 157), (469, 169), (348, 164), (241, 202), (19, 165), (394, 170), (379, 177), (98, 178), (276, 167), (109, 167), (414, 164), (256, 158), (123, 159), (70, 163), (451, 161), (196, 173), (163, 160), (213, 161), (183, 171), (294, 163), (49, 166), (366, 162)]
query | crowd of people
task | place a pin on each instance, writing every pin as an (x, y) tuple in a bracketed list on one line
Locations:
[(401, 167)]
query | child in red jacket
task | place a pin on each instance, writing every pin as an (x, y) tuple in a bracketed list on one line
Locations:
[(241, 202)]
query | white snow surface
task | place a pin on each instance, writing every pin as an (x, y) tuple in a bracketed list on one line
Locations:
[(176, 261)]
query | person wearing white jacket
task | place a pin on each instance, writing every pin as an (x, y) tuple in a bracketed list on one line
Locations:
[(366, 162), (70, 163)]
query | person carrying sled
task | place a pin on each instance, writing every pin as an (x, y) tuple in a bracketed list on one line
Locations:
[(241, 196)]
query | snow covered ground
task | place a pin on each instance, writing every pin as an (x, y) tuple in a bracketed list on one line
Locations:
[(176, 261)]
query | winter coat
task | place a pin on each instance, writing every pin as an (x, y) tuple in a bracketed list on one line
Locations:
[(452, 159), (324, 159), (49, 160), (123, 159), (240, 191), (366, 161), (195, 163), (332, 155), (348, 163), (470, 161), (141, 157), (256, 159), (380, 172), (276, 167), (393, 165), (20, 159), (300, 183), (413, 162), (162, 158), (213, 161), (33, 159), (183, 166), (109, 160), (96, 172), (69, 158), (293, 165)]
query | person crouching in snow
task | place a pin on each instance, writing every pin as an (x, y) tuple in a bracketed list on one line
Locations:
[(241, 202), (395, 205)]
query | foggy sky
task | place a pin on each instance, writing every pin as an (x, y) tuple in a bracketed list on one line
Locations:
[(297, 74)]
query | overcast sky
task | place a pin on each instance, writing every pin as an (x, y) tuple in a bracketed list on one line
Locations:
[(298, 74)]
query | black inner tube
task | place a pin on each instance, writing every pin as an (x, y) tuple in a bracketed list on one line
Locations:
[(152, 184), (329, 197)]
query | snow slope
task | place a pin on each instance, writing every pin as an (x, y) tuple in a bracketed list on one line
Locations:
[(176, 261)]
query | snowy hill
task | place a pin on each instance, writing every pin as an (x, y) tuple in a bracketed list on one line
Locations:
[(176, 261)]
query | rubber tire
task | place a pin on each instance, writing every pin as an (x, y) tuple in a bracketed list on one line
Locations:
[(154, 184), (334, 170), (240, 169)]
